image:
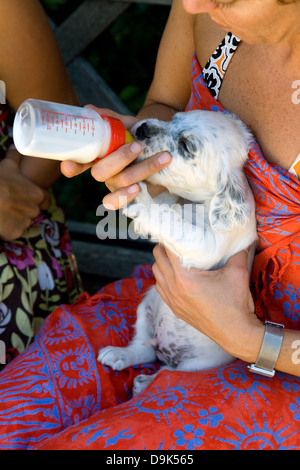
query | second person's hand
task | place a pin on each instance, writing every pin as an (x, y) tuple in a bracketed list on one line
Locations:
[(21, 200)]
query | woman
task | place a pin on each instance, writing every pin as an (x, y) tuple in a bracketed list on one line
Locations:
[(37, 268), (229, 407)]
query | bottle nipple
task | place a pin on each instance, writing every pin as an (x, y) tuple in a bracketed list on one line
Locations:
[(128, 137)]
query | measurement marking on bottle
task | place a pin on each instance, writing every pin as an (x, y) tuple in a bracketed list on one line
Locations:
[(54, 121)]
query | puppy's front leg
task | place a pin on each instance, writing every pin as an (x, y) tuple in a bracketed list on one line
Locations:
[(138, 351), (178, 227), (139, 203), (148, 213)]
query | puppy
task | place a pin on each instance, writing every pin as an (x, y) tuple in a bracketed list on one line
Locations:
[(206, 215)]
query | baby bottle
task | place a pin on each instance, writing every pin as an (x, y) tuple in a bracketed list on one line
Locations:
[(63, 132)]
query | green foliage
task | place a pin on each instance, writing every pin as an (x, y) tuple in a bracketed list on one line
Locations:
[(58, 10), (53, 4), (124, 55)]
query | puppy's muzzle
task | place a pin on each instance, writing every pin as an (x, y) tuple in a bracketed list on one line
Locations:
[(143, 132)]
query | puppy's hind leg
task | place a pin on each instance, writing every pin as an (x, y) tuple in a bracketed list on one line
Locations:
[(142, 381), (138, 351)]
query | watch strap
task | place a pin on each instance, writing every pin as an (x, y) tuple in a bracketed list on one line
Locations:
[(269, 351)]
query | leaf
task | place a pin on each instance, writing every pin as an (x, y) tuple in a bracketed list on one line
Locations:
[(33, 232), (17, 342), (23, 323), (54, 298), (7, 274), (7, 291), (44, 306), (32, 277), (3, 259), (37, 322), (33, 297), (25, 302), (24, 283), (41, 245)]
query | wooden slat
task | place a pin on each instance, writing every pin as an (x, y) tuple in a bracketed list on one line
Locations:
[(103, 261), (108, 261), (87, 230), (85, 24), (92, 89)]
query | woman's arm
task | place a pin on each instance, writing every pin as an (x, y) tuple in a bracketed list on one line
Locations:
[(31, 67), (170, 89), (219, 304)]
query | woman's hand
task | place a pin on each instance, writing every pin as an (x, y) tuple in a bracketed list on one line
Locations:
[(115, 170), (217, 303), (21, 200)]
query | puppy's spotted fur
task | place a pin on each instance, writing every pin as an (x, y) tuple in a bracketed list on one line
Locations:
[(205, 177)]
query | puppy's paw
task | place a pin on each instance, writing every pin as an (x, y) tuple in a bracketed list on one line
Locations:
[(143, 196), (141, 382), (140, 204), (133, 210), (114, 357)]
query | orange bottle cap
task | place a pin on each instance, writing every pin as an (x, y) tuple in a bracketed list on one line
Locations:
[(118, 134)]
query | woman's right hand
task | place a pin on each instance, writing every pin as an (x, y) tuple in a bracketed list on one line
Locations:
[(116, 170), (21, 200)]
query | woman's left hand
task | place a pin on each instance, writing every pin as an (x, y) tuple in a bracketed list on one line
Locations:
[(217, 303)]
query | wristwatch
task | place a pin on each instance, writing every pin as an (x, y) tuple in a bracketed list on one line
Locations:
[(269, 351)]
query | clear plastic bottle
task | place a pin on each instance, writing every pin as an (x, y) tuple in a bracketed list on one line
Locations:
[(63, 132)]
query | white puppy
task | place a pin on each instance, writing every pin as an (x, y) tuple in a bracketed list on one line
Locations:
[(206, 215)]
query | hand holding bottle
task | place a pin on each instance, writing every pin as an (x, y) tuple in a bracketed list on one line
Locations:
[(80, 138), (116, 169)]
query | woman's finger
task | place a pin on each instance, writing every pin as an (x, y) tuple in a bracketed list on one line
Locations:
[(117, 171), (121, 197), (112, 165), (139, 171), (162, 268), (71, 169)]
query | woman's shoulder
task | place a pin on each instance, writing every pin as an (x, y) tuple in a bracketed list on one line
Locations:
[(207, 36)]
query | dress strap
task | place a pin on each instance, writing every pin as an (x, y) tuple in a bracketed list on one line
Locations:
[(214, 71), (295, 168)]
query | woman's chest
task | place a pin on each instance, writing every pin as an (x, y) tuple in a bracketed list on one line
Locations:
[(262, 94), (263, 97)]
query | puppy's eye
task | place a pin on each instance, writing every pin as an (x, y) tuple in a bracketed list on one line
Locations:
[(186, 146), (182, 144)]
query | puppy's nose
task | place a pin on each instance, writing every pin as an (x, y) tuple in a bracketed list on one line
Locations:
[(143, 131)]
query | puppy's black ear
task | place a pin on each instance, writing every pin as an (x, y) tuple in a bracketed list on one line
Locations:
[(228, 207)]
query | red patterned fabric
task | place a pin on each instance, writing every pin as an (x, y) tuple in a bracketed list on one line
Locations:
[(56, 395), (276, 273)]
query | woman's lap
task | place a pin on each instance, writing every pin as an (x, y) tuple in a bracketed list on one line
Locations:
[(38, 272), (56, 394)]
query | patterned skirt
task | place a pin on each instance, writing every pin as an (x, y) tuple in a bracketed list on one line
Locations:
[(38, 272)]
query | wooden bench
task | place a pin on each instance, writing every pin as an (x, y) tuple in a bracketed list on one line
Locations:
[(82, 27), (99, 261)]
